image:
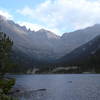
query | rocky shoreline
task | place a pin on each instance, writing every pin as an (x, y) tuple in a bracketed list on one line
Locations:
[(21, 93)]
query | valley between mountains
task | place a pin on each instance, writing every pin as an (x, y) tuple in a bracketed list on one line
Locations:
[(43, 51)]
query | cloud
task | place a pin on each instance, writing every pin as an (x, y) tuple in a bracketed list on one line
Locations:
[(65, 15), (26, 11), (6, 14)]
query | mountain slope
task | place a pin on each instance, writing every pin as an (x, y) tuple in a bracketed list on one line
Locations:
[(77, 38), (85, 54)]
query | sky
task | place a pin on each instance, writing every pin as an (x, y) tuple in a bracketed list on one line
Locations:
[(58, 16)]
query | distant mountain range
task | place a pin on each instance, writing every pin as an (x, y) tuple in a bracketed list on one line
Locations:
[(46, 46)]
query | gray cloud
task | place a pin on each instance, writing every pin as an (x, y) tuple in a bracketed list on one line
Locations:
[(65, 14)]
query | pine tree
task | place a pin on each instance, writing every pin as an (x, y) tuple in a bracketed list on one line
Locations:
[(5, 50)]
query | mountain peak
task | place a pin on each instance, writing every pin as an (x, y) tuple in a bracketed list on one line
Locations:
[(47, 33), (96, 26), (3, 18), (42, 30)]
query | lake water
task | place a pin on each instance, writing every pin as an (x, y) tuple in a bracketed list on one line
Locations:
[(59, 87)]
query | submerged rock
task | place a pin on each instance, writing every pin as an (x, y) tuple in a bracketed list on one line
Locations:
[(30, 95), (69, 81), (41, 90)]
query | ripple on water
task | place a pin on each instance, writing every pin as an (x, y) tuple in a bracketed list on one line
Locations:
[(59, 87)]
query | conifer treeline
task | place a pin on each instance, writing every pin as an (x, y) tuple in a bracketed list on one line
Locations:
[(5, 50)]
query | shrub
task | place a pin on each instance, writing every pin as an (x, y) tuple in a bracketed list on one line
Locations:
[(5, 97), (6, 85)]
